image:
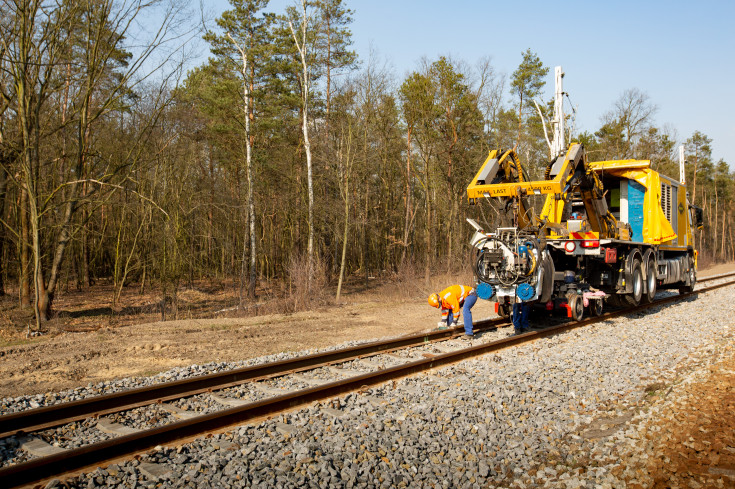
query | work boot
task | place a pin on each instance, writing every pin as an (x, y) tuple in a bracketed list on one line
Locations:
[(468, 336)]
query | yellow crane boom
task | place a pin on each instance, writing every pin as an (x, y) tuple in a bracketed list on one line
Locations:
[(500, 177)]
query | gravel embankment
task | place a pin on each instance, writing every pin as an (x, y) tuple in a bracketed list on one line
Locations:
[(558, 412)]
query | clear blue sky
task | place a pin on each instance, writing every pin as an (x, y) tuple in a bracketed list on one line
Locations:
[(681, 53)]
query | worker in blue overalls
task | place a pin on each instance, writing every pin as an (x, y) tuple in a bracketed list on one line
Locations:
[(521, 311), (521, 307)]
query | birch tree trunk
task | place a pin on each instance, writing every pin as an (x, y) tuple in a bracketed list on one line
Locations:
[(408, 217), (252, 280), (301, 47), (25, 283), (247, 85), (345, 170)]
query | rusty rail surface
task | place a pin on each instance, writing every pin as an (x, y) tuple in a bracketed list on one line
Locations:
[(58, 414), (90, 456)]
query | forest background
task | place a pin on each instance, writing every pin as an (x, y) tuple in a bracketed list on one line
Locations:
[(281, 167)]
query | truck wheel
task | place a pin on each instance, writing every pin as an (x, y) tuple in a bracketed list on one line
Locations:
[(637, 277), (577, 305), (650, 282), (547, 281), (596, 307), (692, 277)]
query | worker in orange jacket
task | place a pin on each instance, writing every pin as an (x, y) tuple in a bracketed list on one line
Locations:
[(451, 300)]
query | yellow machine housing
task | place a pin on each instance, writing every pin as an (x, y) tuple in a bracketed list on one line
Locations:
[(617, 227)]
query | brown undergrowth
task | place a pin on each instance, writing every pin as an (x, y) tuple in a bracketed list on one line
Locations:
[(88, 341)]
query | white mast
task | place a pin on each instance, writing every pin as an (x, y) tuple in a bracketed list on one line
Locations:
[(558, 145), (682, 160)]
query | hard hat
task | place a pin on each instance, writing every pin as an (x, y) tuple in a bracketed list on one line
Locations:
[(434, 300)]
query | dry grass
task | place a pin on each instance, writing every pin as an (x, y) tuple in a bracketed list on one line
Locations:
[(410, 282), (307, 285), (92, 308)]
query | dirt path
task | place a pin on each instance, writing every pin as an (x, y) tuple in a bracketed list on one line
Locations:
[(64, 359), (110, 350)]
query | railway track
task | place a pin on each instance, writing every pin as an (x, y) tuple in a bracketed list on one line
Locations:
[(425, 351)]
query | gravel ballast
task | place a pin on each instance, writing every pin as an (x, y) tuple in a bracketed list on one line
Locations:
[(563, 411)]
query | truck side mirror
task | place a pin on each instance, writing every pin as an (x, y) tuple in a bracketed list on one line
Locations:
[(698, 216)]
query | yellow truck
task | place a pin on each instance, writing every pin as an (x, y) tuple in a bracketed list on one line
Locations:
[(608, 231)]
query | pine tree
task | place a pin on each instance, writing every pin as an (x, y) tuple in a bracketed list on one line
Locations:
[(526, 82), (246, 43)]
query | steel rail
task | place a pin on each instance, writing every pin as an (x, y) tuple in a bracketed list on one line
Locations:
[(58, 414), (96, 454), (715, 277)]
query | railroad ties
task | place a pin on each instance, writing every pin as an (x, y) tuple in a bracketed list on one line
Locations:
[(222, 400)]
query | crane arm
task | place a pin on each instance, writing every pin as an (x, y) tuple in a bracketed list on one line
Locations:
[(568, 173), (488, 183)]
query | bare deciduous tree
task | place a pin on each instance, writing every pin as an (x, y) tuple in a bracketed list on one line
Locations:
[(300, 41)]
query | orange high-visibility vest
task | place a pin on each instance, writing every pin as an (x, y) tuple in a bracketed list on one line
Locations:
[(452, 299)]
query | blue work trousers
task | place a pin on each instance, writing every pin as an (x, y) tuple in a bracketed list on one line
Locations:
[(520, 316), (467, 311)]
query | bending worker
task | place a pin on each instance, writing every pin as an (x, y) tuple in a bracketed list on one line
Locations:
[(451, 300)]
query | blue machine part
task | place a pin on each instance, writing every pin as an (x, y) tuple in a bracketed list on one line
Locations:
[(636, 197), (484, 290), (525, 292), (522, 249)]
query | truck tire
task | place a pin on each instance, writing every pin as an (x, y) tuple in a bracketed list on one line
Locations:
[(691, 278), (636, 277), (651, 281)]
